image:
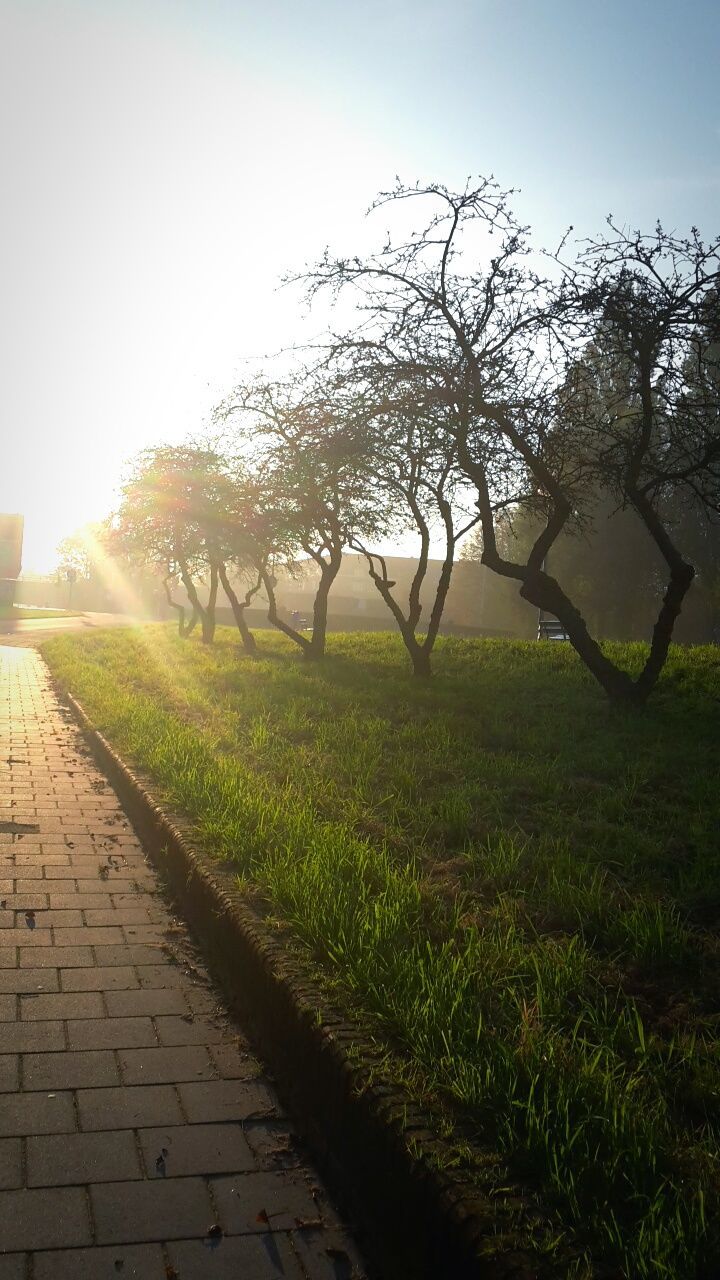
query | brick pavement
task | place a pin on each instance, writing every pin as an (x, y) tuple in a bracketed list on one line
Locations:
[(139, 1136)]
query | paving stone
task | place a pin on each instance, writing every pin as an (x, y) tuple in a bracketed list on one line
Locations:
[(8, 1009), (128, 1107), (284, 1197), (163, 975), (151, 1002), (10, 1164), (29, 1037), (111, 1033), (274, 1144), (204, 1001), (25, 1113), (144, 897), (79, 901), (196, 1148), (85, 937), (128, 955), (266, 1257), (159, 1066), (51, 1219), (13, 1266), (78, 1158), (8, 1072), (28, 937), (54, 919), (25, 901), (157, 933), (234, 1061), (115, 915), (87, 877), (28, 980), (328, 1255), (82, 1070), (139, 1262), (214, 1100), (65, 1004), (89, 882), (159, 1210), (55, 957), (187, 1030), (99, 978)]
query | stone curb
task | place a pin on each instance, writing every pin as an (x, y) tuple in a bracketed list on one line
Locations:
[(377, 1147)]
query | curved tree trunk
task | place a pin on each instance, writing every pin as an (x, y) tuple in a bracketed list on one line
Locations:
[(184, 629), (542, 590), (681, 578), (207, 617), (545, 592), (206, 614), (238, 608), (273, 616), (328, 572), (420, 650)]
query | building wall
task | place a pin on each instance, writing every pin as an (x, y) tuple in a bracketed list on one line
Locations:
[(478, 602)]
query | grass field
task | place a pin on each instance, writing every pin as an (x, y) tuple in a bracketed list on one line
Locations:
[(520, 884)]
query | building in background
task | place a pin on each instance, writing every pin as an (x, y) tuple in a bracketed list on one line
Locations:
[(11, 542)]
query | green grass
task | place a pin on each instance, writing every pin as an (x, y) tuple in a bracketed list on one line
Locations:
[(519, 883), (22, 613)]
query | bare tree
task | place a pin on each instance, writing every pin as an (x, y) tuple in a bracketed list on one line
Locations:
[(167, 517), (466, 289), (239, 606), (401, 439), (310, 497), (648, 308)]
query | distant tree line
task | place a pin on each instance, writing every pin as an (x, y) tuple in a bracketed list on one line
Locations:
[(560, 412)]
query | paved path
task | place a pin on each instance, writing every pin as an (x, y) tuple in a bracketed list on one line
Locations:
[(28, 631), (138, 1135)]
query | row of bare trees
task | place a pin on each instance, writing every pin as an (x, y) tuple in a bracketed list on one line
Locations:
[(481, 381)]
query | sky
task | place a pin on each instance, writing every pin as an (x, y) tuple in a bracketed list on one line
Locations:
[(164, 162)]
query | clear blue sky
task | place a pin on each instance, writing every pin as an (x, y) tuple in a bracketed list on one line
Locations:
[(164, 161)]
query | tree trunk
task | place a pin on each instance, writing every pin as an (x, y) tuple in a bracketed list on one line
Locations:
[(419, 654), (246, 635), (273, 616), (184, 628), (407, 624), (540, 589), (191, 625), (328, 574), (680, 582), (208, 614), (681, 578), (420, 658)]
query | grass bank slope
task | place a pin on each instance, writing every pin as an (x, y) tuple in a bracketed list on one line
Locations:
[(519, 883)]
